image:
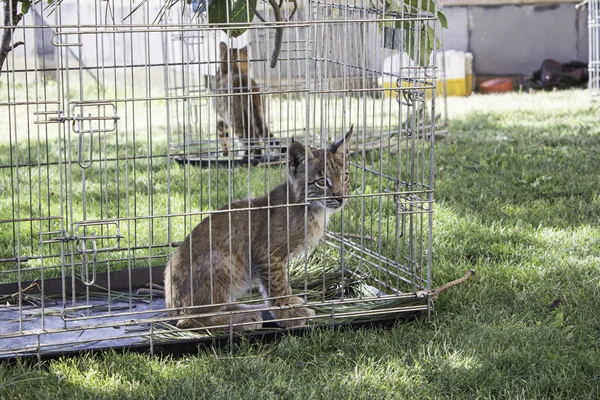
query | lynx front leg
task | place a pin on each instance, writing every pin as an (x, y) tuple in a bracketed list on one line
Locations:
[(274, 283), (223, 131)]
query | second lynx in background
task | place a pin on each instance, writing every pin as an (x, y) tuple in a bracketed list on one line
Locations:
[(242, 112)]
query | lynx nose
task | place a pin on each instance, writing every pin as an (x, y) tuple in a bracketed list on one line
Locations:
[(335, 201)]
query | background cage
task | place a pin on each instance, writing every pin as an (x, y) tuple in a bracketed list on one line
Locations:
[(594, 44), (110, 158)]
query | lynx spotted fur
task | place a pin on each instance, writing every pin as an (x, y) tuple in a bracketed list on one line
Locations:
[(221, 259)]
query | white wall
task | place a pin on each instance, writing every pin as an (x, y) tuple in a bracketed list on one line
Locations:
[(515, 39)]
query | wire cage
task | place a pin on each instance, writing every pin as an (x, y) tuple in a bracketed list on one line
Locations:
[(113, 150), (594, 47)]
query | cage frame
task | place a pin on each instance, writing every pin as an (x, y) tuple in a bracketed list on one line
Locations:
[(78, 119)]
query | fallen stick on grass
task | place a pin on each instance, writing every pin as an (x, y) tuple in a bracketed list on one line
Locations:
[(448, 285)]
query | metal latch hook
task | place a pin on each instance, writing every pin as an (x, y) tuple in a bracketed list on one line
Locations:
[(85, 269), (81, 156)]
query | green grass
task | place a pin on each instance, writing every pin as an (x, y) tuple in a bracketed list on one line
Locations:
[(517, 200)]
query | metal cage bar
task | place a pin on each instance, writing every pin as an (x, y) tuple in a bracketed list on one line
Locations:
[(594, 47)]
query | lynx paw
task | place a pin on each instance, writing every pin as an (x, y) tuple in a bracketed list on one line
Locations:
[(187, 324), (303, 313), (254, 317), (251, 321)]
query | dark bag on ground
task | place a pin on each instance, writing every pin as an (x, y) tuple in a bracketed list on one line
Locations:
[(554, 75)]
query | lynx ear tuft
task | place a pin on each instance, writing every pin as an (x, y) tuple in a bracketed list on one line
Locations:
[(342, 141), (296, 156)]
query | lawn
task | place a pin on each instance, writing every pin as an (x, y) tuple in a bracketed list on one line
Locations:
[(518, 201)]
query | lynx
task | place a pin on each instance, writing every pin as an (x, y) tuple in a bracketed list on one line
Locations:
[(222, 257), (241, 113)]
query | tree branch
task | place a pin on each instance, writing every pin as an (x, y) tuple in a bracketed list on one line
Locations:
[(14, 46), (279, 30), (255, 11), (11, 20), (293, 9), (278, 33)]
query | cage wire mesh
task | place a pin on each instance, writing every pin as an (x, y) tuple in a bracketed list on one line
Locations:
[(113, 150), (594, 47)]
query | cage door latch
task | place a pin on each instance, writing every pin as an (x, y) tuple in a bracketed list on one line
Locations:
[(85, 265), (86, 117), (49, 119), (105, 237)]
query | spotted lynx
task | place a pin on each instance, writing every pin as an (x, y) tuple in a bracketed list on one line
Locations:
[(242, 114), (222, 257)]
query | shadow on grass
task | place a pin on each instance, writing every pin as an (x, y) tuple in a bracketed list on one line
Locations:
[(517, 199), (413, 359), (516, 169)]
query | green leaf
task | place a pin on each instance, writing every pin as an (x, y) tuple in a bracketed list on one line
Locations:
[(427, 42), (443, 20), (423, 5), (231, 12), (25, 6)]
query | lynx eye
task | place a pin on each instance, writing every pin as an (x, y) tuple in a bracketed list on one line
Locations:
[(321, 183)]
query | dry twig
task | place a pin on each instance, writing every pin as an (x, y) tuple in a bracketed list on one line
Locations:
[(448, 285)]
